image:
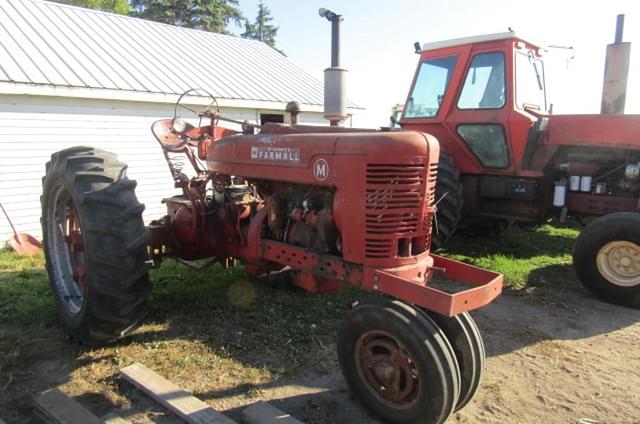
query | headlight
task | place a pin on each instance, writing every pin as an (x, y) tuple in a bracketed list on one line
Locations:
[(179, 125)]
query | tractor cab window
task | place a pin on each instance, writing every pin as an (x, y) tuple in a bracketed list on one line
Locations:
[(530, 84), (487, 142), (430, 87), (484, 86)]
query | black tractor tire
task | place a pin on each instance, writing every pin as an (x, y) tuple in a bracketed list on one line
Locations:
[(449, 208), (387, 325), (468, 346), (606, 258), (100, 281)]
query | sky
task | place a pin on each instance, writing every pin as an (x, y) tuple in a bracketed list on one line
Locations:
[(378, 37)]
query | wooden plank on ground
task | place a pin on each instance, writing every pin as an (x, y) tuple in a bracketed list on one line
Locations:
[(265, 413), (59, 408), (172, 397)]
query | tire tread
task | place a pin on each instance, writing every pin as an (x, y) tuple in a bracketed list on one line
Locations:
[(115, 243)]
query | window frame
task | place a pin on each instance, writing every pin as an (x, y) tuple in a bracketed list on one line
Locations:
[(504, 81), (543, 108), (456, 57)]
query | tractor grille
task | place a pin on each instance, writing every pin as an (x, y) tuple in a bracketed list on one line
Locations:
[(431, 198), (394, 209), (431, 180)]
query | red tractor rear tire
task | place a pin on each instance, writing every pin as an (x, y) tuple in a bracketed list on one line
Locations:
[(449, 208), (95, 245), (606, 257)]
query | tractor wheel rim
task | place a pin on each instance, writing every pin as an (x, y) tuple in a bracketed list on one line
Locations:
[(619, 263), (67, 250), (388, 369)]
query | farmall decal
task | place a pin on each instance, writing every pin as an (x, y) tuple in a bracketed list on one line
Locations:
[(275, 154)]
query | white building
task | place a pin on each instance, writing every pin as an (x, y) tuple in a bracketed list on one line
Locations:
[(72, 76)]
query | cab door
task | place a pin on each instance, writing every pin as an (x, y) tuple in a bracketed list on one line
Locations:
[(479, 118)]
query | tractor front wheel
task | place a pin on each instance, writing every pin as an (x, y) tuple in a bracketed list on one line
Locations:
[(399, 363), (468, 347), (606, 257), (95, 245)]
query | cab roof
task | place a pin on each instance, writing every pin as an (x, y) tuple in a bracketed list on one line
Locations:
[(475, 39)]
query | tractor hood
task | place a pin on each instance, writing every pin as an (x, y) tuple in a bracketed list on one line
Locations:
[(617, 131), (317, 158)]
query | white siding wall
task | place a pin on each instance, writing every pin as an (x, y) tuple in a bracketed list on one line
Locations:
[(31, 128)]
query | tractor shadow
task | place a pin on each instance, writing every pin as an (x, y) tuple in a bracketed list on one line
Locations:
[(216, 333), (322, 400), (553, 306), (541, 302)]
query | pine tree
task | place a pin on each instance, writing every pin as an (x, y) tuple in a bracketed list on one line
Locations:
[(261, 29), (208, 15)]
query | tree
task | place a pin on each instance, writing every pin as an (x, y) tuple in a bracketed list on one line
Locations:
[(261, 29), (208, 15), (114, 6)]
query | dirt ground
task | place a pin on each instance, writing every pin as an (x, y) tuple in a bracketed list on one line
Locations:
[(575, 361), (554, 356)]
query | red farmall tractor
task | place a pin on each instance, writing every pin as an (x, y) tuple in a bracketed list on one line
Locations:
[(505, 158), (335, 207)]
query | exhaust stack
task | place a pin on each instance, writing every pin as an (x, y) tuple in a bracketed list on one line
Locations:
[(616, 71), (335, 99)]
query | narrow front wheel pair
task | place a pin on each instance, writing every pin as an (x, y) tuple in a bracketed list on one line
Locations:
[(408, 367)]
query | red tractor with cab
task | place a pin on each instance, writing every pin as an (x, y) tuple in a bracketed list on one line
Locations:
[(330, 204), (504, 157)]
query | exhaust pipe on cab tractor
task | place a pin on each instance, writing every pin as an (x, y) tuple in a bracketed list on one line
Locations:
[(616, 72)]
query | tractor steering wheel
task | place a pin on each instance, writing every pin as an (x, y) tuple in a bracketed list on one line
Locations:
[(199, 113)]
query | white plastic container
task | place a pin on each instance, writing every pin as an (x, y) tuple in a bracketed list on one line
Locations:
[(585, 183), (600, 188), (560, 193), (574, 183), (218, 197)]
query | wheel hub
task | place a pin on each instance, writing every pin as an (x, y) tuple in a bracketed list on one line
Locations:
[(619, 263), (384, 371), (73, 238), (67, 250), (388, 369)]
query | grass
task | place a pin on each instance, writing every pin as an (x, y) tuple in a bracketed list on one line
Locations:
[(519, 254), (24, 291), (522, 256), (528, 259), (241, 317), (217, 332), (222, 298)]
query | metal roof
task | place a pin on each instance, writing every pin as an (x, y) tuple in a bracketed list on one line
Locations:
[(45, 43)]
